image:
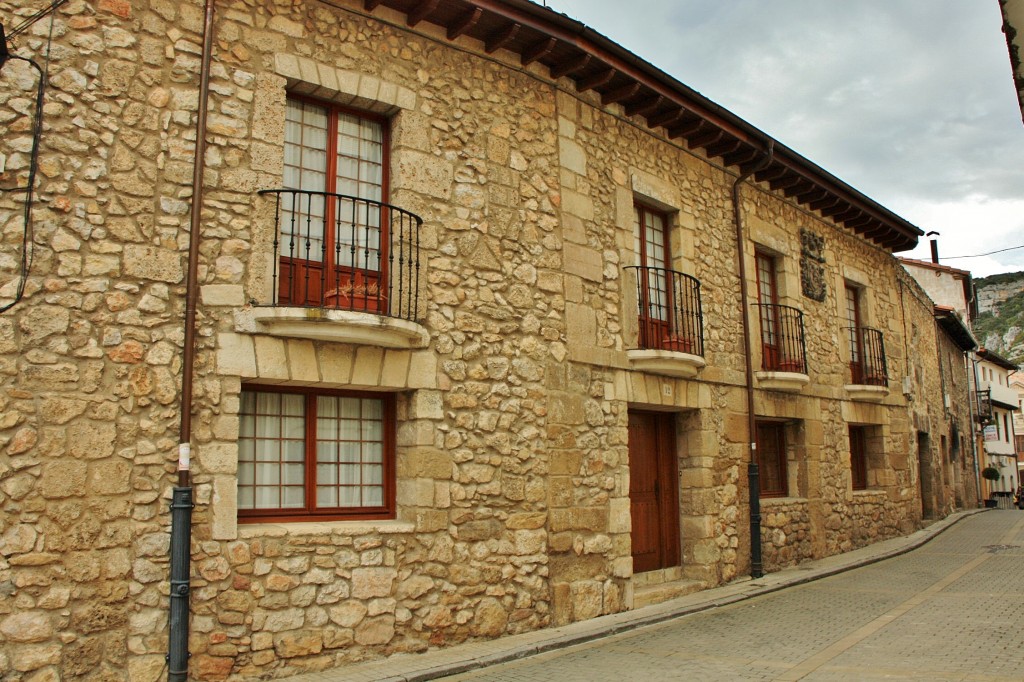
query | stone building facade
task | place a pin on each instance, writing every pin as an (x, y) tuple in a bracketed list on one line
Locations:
[(512, 376)]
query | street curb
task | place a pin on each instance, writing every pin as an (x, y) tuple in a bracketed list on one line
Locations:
[(543, 641)]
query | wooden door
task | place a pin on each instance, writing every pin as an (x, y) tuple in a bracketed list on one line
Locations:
[(653, 491)]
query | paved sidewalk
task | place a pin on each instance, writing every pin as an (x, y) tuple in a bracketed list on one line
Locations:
[(439, 663)]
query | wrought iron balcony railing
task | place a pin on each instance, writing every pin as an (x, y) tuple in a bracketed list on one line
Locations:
[(669, 309), (341, 252), (983, 405), (867, 357), (782, 338)]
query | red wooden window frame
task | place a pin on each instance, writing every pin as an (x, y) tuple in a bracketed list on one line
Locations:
[(297, 288), (773, 472), (309, 459), (853, 321), (768, 297), (646, 223), (859, 457)]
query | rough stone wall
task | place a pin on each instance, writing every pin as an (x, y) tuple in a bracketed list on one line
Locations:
[(512, 445)]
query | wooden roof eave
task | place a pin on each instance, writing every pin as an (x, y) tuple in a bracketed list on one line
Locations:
[(595, 62)]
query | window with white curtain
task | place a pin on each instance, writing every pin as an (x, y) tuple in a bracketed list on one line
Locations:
[(323, 454)]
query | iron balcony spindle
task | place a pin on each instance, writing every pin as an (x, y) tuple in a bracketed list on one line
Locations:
[(355, 267), (867, 357), (669, 309), (782, 338)]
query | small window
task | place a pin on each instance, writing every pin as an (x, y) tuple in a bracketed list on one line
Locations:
[(324, 455), (771, 459), (1006, 428), (858, 457)]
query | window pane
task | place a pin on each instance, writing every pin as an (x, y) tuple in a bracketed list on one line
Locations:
[(349, 452), (373, 497), (246, 498), (326, 497), (294, 498), (349, 497), (349, 408)]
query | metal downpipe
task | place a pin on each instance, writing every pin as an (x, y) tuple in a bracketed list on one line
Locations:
[(753, 475), (181, 503)]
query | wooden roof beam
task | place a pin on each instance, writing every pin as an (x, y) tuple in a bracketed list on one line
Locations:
[(684, 128), (620, 94), (726, 146), (464, 23), (770, 173), (538, 50), (741, 156), (596, 80), (420, 12), (705, 139), (501, 37), (814, 194), (785, 181), (825, 203), (799, 188), (644, 106), (370, 5), (567, 67), (665, 117)]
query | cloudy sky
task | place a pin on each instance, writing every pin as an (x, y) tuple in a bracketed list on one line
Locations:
[(909, 101)]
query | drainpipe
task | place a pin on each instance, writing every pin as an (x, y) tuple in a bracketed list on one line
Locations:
[(971, 400), (181, 500), (753, 475)]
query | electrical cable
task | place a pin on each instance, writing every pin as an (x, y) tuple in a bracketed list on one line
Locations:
[(29, 188), (979, 255)]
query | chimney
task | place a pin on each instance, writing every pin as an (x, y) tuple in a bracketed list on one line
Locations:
[(935, 246)]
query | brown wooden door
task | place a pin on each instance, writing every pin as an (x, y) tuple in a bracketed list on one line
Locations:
[(653, 491)]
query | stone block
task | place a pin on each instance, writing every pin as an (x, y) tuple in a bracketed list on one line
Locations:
[(302, 362), (424, 174), (425, 463), (580, 325), (395, 369), (572, 156), (578, 205), (335, 363), (91, 440), (583, 261), (423, 370), (368, 364), (426, 405), (227, 295), (152, 263), (271, 358), (371, 582), (236, 355)]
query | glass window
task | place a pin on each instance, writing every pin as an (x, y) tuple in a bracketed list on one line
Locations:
[(315, 454)]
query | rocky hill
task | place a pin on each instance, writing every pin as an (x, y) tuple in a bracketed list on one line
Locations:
[(1000, 323)]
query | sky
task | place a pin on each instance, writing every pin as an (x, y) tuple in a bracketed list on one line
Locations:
[(909, 101)]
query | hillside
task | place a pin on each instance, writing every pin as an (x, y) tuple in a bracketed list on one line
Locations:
[(1000, 323)]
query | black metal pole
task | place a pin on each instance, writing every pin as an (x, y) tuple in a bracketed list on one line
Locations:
[(181, 540)]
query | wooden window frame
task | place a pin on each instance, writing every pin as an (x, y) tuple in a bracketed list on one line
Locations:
[(387, 510), (338, 273), (768, 431), (768, 311), (858, 457)]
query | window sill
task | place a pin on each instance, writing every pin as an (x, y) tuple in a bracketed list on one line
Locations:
[(867, 392), (791, 382), (340, 326), (869, 492), (321, 528), (782, 500), (667, 362)]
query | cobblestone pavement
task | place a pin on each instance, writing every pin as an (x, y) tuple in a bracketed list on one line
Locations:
[(949, 610)]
